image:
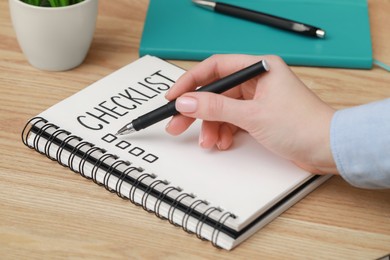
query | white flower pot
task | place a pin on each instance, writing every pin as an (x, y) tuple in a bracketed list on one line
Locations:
[(54, 38)]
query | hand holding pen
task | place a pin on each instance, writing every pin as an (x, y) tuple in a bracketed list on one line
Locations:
[(277, 109), (217, 87)]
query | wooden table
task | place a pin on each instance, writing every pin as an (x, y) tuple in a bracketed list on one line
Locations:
[(48, 211)]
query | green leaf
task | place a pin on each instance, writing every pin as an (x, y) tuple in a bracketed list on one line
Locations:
[(64, 2), (52, 3), (32, 2), (72, 2), (45, 3)]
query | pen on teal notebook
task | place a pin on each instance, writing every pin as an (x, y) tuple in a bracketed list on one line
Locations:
[(218, 87), (263, 18)]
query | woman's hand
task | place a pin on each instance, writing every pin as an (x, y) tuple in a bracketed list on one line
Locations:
[(276, 108)]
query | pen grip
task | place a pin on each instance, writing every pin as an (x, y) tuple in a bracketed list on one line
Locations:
[(234, 79), (217, 87), (267, 19), (155, 116)]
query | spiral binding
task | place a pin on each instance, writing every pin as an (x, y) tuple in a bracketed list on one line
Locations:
[(49, 133)]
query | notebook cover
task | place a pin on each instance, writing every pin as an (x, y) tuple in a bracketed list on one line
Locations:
[(178, 29)]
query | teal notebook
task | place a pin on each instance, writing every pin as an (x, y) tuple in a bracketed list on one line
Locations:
[(178, 29)]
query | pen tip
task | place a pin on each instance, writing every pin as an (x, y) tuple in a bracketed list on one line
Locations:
[(127, 129), (122, 131)]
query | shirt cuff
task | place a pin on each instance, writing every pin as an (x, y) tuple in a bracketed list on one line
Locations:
[(360, 144)]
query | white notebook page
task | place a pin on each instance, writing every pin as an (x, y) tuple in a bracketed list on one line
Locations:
[(245, 180)]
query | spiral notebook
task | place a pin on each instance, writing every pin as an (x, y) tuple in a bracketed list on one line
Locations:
[(223, 197), (178, 29)]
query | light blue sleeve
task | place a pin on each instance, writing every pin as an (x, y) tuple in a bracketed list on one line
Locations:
[(360, 144)]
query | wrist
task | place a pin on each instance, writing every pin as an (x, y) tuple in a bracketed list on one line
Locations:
[(321, 157)]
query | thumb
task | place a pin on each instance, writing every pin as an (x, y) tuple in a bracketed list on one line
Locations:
[(214, 107)]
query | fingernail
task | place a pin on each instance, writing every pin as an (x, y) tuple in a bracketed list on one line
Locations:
[(219, 145), (201, 139), (186, 104), (167, 125)]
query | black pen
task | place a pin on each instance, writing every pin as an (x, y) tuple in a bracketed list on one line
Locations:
[(218, 87), (262, 18)]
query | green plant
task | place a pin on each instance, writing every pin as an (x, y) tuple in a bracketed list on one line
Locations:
[(52, 3)]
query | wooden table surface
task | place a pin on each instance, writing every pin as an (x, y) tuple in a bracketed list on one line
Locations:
[(47, 211)]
